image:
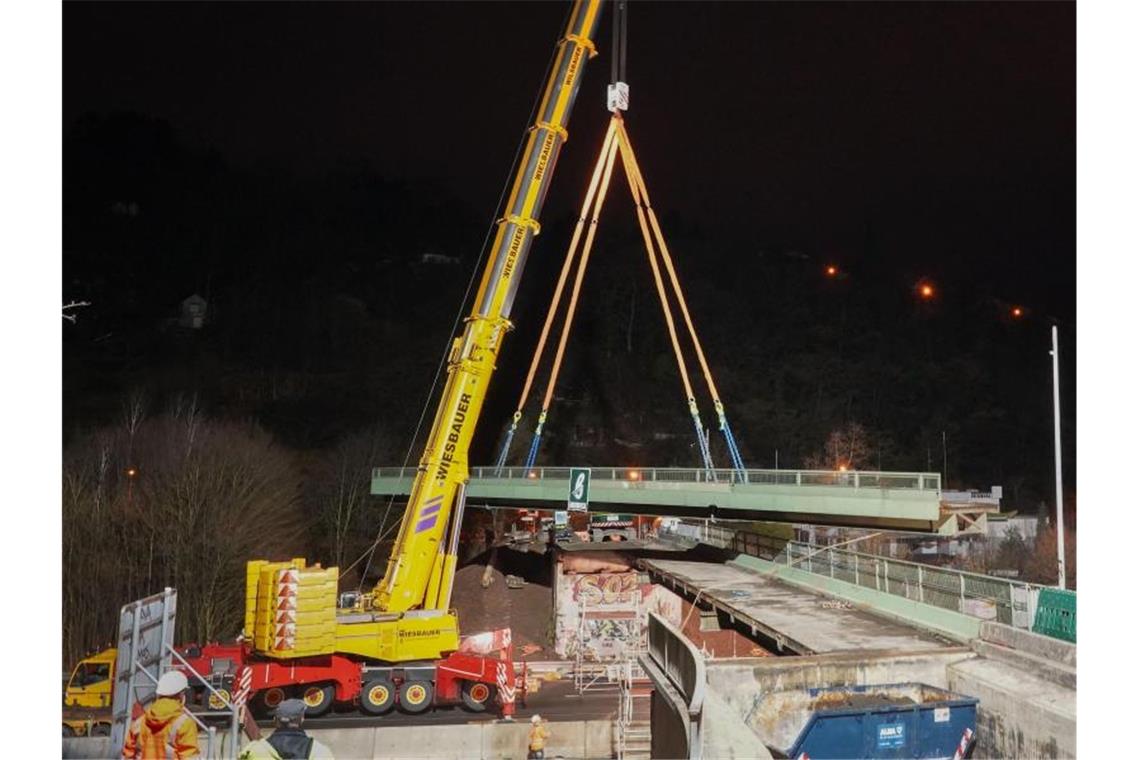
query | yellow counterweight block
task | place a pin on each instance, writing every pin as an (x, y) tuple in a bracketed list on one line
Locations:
[(294, 610)]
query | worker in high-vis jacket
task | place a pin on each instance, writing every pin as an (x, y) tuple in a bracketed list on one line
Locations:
[(536, 747), (165, 731), (288, 740)]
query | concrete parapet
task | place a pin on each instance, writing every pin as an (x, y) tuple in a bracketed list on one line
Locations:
[(1045, 647), (724, 735), (86, 747), (471, 741), (742, 682), (1050, 670), (1020, 714)]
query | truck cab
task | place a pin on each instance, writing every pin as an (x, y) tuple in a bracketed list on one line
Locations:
[(90, 682)]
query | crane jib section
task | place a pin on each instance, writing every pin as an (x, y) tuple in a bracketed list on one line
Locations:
[(421, 568)]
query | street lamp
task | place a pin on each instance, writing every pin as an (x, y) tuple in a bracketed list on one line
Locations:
[(831, 270), (925, 291)]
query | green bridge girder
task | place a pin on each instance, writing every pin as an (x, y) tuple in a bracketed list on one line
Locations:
[(888, 500)]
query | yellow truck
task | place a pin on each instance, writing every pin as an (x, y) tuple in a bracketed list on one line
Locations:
[(87, 696)]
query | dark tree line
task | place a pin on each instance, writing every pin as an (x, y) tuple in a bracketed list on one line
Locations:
[(326, 323)]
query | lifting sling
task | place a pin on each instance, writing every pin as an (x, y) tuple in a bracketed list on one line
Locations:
[(617, 141)]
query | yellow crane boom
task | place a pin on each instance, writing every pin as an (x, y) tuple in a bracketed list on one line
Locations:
[(421, 567)]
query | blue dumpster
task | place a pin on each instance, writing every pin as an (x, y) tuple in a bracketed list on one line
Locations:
[(903, 720)]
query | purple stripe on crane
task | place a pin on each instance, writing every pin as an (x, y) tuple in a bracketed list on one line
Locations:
[(432, 507), (426, 524)]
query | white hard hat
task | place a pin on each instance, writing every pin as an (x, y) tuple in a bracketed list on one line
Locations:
[(171, 684), (535, 718)]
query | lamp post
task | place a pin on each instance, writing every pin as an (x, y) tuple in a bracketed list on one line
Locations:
[(1057, 464)]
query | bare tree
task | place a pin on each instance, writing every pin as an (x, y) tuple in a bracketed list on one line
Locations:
[(340, 494), (847, 448), (189, 517), (73, 305)]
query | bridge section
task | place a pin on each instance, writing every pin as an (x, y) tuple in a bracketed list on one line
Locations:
[(895, 500)]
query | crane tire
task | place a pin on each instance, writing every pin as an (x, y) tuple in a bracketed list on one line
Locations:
[(318, 698), (265, 701), (219, 701), (377, 696), (416, 696), (477, 695)]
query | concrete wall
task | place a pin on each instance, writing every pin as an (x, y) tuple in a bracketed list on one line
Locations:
[(742, 682), (86, 747), (670, 737), (616, 605), (482, 741), (1018, 715), (471, 741)]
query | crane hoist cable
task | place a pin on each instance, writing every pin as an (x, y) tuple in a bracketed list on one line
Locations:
[(634, 171), (611, 135)]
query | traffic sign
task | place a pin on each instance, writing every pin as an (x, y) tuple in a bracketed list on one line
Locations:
[(579, 499)]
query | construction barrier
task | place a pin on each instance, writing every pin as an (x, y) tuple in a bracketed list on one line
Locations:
[(1056, 614)]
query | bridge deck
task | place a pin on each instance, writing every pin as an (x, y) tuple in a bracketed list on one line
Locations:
[(904, 501), (798, 621)]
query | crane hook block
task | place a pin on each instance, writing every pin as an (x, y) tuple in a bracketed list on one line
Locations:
[(617, 97)]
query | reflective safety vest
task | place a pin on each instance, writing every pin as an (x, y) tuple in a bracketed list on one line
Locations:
[(164, 732), (262, 749), (538, 737)]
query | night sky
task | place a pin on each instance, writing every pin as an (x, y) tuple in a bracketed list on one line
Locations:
[(315, 149), (945, 130)]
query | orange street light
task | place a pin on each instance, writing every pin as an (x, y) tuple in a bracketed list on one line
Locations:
[(926, 290), (131, 472), (831, 270), (634, 475), (1016, 312)]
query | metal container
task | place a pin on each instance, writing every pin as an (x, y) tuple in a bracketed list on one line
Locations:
[(903, 720)]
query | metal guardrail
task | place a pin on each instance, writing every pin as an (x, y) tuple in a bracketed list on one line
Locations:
[(909, 481), (678, 659)]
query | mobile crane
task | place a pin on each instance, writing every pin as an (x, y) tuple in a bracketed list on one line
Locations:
[(399, 644)]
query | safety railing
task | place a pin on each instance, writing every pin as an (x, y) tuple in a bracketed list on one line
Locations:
[(983, 596), (909, 481)]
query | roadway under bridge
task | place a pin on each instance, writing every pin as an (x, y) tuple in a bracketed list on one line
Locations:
[(886, 500)]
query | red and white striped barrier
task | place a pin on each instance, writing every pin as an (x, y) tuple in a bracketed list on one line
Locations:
[(964, 743), (244, 682)]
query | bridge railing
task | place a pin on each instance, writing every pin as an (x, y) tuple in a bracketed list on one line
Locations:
[(911, 481), (987, 597)]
